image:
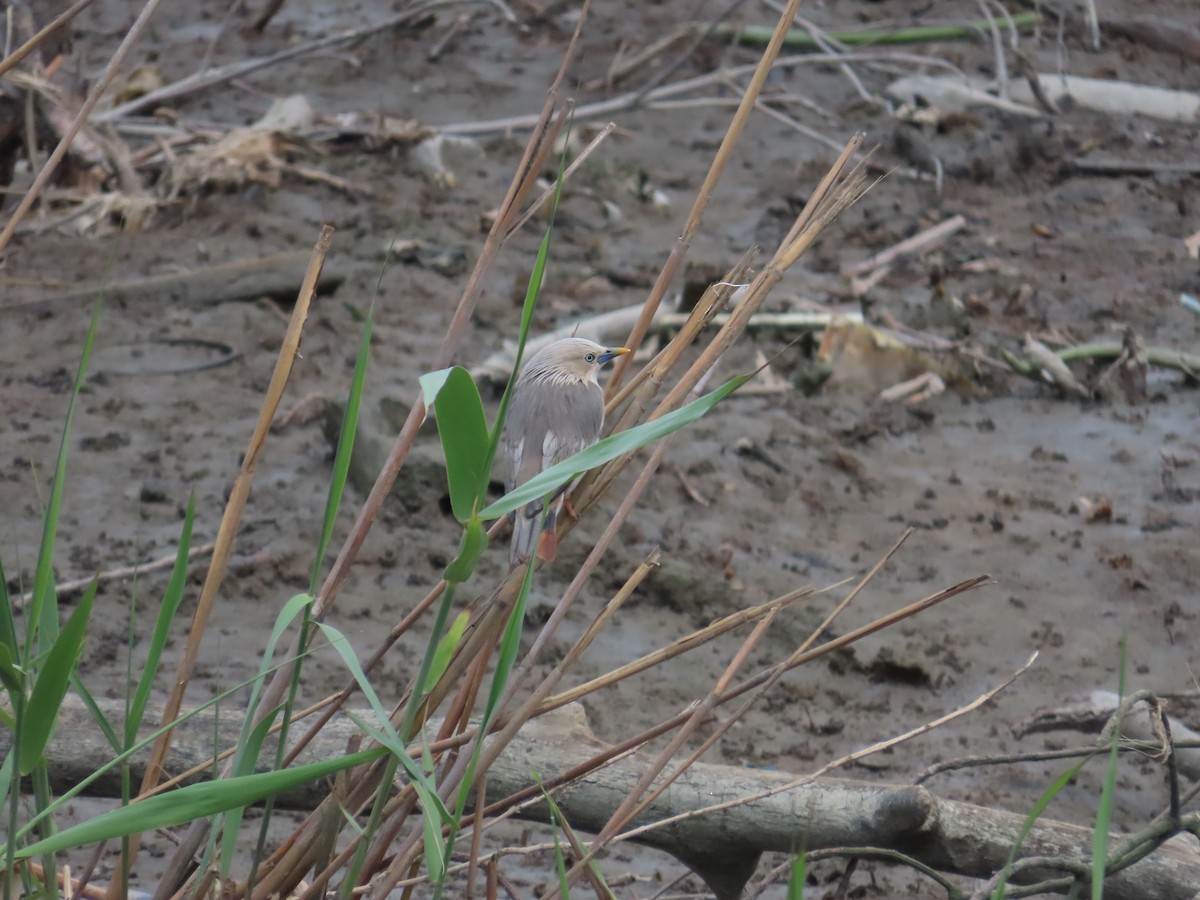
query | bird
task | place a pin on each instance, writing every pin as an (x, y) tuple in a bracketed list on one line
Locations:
[(557, 409)]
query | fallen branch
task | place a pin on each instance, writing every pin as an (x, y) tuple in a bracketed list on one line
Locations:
[(64, 588), (1117, 167), (877, 37), (276, 276), (949, 836)]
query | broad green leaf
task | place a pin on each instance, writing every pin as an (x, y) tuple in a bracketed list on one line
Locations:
[(474, 541), (610, 448), (51, 685), (345, 447), (464, 433), (445, 650), (196, 801), (162, 626), (42, 615)]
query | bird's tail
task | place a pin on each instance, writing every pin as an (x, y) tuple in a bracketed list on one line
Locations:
[(528, 533)]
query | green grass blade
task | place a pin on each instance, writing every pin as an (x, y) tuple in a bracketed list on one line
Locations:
[(345, 447), (196, 801), (246, 757), (445, 650), (141, 745), (11, 675), (8, 627), (42, 615), (1104, 813), (98, 716), (1036, 813), (795, 889), (51, 685), (427, 659), (551, 479), (435, 814), (435, 860), (556, 819), (385, 734), (162, 626), (6, 772), (464, 434), (248, 754)]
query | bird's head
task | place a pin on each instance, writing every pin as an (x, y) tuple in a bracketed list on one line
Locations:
[(573, 359)]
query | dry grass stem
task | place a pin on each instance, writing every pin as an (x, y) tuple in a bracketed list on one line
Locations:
[(44, 34), (716, 170), (570, 170)]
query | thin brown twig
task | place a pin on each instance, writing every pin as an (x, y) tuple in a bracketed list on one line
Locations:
[(64, 588), (631, 744), (547, 194), (841, 762), (47, 31), (630, 809), (221, 74)]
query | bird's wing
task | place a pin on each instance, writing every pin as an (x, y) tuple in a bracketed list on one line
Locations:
[(546, 423), (524, 432), (574, 415)]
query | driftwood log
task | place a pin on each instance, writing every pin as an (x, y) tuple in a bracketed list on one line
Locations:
[(723, 848)]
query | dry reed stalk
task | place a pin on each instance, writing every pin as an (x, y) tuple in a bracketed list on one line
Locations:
[(635, 804), (825, 205), (677, 647), (234, 508), (633, 743), (536, 152), (506, 806), (717, 169)]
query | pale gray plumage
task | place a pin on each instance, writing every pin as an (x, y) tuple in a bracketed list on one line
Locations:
[(557, 409)]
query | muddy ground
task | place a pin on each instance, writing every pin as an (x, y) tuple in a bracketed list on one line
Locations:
[(796, 488)]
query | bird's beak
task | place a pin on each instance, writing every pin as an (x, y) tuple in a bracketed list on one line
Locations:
[(612, 353)]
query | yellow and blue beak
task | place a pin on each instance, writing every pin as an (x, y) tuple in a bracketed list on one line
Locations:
[(612, 353)]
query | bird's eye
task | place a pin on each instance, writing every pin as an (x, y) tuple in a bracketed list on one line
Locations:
[(591, 357)]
